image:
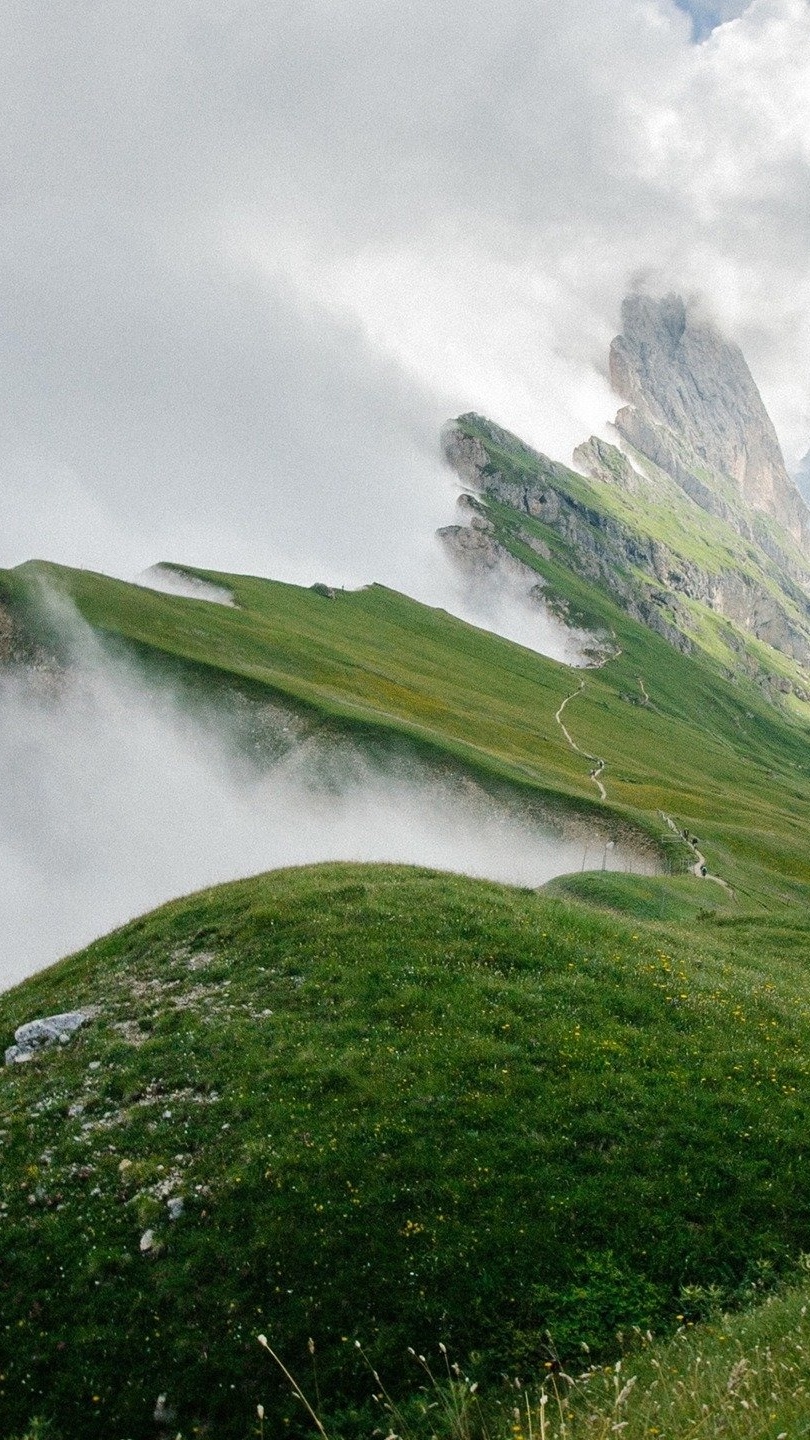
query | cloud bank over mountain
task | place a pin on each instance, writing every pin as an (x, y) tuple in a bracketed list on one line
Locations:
[(254, 254)]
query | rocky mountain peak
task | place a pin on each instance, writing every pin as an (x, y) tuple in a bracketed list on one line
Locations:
[(692, 404)]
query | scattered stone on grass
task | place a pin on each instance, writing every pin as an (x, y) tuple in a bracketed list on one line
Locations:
[(38, 1035)]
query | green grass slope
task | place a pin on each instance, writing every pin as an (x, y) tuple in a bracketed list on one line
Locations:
[(716, 756), (399, 1107)]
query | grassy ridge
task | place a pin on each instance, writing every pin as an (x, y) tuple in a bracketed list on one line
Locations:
[(717, 756), (399, 1106)]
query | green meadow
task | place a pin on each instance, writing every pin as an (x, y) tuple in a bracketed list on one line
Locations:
[(399, 1107), (714, 754)]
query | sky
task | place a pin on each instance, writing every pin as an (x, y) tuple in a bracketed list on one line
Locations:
[(707, 14), (255, 253)]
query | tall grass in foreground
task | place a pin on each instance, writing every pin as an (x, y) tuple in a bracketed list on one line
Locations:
[(740, 1377), (744, 1376)]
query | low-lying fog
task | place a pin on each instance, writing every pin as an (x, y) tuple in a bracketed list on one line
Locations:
[(169, 581), (119, 796), (511, 604)]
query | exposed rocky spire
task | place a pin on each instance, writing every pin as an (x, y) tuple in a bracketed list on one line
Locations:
[(693, 407)]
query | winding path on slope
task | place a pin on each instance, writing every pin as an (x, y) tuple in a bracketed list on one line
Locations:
[(599, 763), (699, 867)]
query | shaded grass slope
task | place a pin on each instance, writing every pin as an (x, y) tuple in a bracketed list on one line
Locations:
[(398, 1106)]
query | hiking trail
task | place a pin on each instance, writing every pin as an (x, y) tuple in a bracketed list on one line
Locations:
[(699, 868), (599, 763)]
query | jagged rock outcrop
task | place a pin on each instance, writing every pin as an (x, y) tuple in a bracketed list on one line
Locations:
[(694, 436), (693, 406), (645, 575), (477, 547), (485, 560), (603, 461), (466, 453)]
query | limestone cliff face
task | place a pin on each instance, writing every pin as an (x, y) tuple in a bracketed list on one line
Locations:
[(694, 440), (600, 547), (802, 478), (693, 407), (647, 577)]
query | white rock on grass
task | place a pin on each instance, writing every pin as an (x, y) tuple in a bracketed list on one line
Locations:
[(37, 1035)]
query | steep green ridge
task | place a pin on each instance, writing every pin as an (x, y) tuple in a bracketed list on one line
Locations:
[(372, 659), (714, 755), (740, 598), (400, 1107)]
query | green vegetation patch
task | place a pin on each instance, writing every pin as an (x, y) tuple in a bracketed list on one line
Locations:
[(745, 1375), (396, 1106)]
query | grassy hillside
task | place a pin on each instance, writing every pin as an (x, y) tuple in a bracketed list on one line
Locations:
[(400, 1107), (404, 1107), (675, 734)]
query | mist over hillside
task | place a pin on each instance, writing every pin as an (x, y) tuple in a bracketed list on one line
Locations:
[(405, 522), (117, 797)]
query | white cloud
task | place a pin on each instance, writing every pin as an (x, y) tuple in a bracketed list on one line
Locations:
[(640, 154), (255, 253), (708, 14)]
